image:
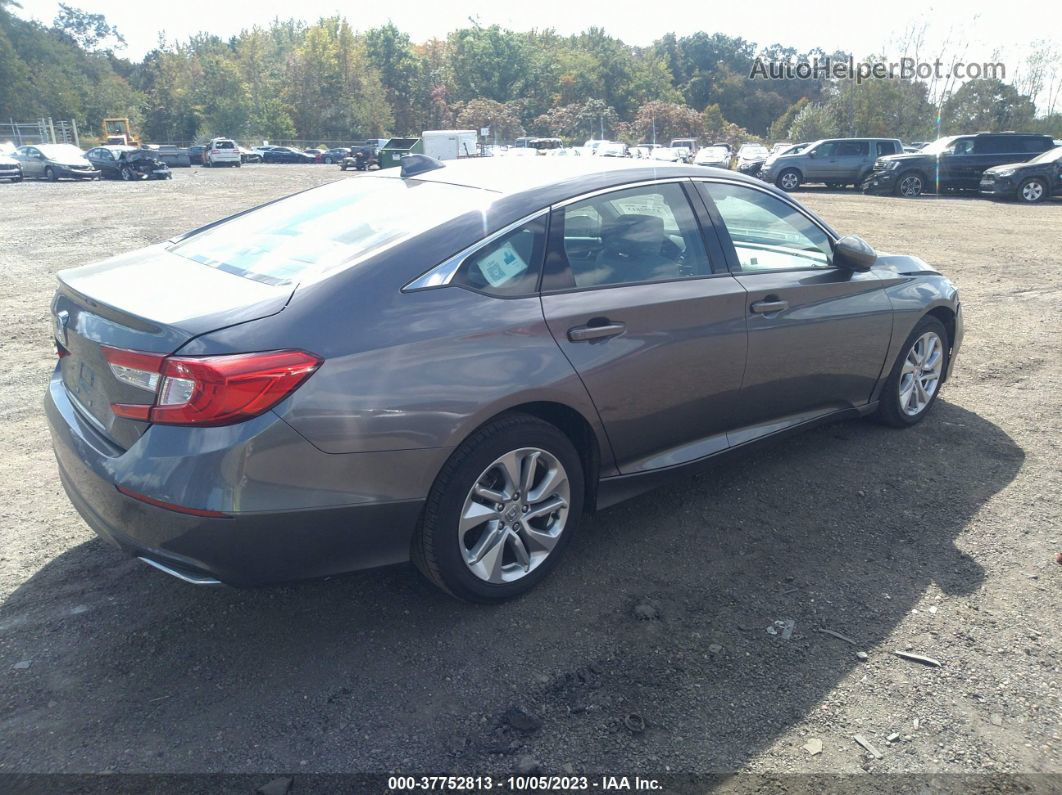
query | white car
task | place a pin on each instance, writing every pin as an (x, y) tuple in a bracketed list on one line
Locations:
[(612, 150), (9, 167), (222, 152), (716, 156), (666, 154)]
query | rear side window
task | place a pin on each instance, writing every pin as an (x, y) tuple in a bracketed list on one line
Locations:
[(317, 230), (508, 266), (852, 148), (1036, 144), (887, 148), (996, 145)]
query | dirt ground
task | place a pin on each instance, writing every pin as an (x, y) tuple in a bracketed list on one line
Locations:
[(940, 540)]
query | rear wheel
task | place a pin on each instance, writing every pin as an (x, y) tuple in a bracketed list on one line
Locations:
[(789, 180), (910, 185), (502, 510), (914, 383), (1032, 191)]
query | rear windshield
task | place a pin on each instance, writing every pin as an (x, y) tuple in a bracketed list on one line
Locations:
[(307, 234)]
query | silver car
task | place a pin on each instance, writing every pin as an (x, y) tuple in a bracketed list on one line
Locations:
[(452, 363), (836, 162)]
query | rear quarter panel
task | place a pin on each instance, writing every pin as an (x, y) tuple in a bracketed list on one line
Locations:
[(411, 370)]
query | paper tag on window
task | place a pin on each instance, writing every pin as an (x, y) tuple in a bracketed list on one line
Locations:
[(501, 265)]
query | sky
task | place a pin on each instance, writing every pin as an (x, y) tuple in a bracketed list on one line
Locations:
[(984, 25)]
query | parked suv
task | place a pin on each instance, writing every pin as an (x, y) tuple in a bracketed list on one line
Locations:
[(834, 161), (222, 152), (953, 163), (1031, 182)]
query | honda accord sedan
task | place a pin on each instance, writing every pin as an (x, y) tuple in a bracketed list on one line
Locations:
[(454, 363)]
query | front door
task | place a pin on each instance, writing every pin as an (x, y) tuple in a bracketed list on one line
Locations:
[(654, 326), (818, 334)]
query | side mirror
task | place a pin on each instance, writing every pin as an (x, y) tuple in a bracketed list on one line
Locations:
[(854, 253)]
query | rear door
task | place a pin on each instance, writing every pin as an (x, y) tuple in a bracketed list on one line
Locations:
[(818, 334), (639, 299)]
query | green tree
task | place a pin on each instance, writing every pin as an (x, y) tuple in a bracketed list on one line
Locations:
[(504, 123), (986, 104), (813, 122)]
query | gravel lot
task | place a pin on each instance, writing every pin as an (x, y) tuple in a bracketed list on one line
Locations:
[(939, 540)]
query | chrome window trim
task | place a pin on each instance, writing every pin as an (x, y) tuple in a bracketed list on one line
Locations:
[(615, 188), (443, 273)]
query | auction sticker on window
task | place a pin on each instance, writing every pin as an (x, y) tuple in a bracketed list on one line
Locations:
[(501, 265)]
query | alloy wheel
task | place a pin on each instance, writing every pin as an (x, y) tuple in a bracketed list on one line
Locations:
[(920, 375), (790, 181), (1032, 191), (911, 185), (514, 515)]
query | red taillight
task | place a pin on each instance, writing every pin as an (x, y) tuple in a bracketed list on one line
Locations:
[(208, 390)]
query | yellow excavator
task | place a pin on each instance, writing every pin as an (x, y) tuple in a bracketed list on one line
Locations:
[(120, 132)]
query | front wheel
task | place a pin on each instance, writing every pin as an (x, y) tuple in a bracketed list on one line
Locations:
[(914, 383), (789, 180), (502, 510), (910, 185), (1032, 191), (127, 174), (50, 175)]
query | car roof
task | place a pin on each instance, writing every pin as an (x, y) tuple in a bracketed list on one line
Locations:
[(512, 176)]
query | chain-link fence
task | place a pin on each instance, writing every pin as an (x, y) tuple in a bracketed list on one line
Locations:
[(41, 131)]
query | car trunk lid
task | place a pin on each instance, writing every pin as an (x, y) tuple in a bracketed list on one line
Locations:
[(151, 301)]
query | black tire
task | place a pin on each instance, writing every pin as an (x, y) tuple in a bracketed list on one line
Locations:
[(789, 180), (437, 550), (238, 164), (126, 174), (910, 184), (1033, 191), (50, 175), (890, 411)]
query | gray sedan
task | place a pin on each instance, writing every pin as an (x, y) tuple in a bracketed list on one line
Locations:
[(453, 363), (54, 162)]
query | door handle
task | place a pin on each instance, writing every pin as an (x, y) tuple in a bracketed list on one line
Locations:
[(586, 333), (766, 307)]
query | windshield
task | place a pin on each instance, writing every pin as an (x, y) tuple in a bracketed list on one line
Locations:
[(752, 151), (61, 151), (320, 229), (938, 146), (715, 152), (1050, 156)]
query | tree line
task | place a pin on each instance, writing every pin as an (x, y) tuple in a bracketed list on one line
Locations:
[(326, 81)]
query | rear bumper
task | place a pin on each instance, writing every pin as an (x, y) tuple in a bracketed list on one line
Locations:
[(244, 547)]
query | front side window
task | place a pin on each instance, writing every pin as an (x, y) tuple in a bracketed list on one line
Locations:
[(631, 236), (828, 149), (508, 266), (768, 234)]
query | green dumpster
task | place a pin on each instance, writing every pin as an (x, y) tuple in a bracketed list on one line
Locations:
[(395, 149)]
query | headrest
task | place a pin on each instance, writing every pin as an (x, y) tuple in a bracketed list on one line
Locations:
[(634, 233)]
